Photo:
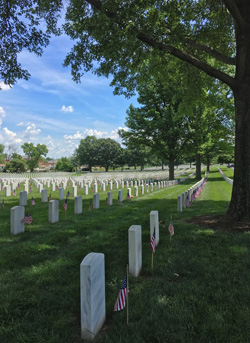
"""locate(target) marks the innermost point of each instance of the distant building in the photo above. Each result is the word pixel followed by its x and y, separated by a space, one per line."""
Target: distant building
pixel 48 165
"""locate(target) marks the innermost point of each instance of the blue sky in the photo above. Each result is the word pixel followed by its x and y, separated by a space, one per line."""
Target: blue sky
pixel 51 109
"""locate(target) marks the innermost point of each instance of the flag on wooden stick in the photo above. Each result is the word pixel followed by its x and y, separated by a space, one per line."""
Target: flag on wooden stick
pixel 27 219
pixel 65 205
pixel 152 242
pixel 121 299
pixel 171 227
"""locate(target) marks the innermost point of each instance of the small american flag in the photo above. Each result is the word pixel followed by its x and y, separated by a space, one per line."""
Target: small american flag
pixel 187 202
pixel 68 194
pixel 27 219
pixel 65 204
pixel 18 186
pixel 50 197
pixel 90 207
pixel 3 204
pixel 171 227
pixel 122 296
pixel 152 242
pixel 32 201
pixel 14 192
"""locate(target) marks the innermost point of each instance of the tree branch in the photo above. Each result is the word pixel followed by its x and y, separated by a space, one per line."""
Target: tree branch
pixel 153 42
pixel 234 11
pixel 212 52
pixel 208 69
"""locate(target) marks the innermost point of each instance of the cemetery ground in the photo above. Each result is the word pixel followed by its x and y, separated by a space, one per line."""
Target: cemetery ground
pixel 198 291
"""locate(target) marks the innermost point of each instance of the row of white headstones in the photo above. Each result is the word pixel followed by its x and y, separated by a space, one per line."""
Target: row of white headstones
pixel 18 212
pixel 181 203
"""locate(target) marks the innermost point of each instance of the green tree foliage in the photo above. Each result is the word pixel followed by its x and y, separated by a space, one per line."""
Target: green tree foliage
pixel 20 29
pixel 16 165
pixel 107 153
pixel 137 155
pixel 2 155
pixel 158 123
pixel 122 36
pixel 64 164
pixel 34 154
pixel 87 151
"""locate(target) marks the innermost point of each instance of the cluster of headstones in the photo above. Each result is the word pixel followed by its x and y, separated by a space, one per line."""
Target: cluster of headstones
pixel 227 179
pixel 181 199
pixel 17 212
pixel 92 279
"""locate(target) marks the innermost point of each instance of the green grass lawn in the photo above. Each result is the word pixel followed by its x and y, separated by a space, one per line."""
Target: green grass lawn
pixel 199 290
pixel 229 172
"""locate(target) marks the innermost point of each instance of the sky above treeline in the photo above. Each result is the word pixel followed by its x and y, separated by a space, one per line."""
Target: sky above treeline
pixel 52 109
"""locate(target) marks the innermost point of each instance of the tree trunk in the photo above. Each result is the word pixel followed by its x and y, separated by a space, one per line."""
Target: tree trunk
pixel 198 166
pixel 162 165
pixel 239 208
pixel 208 164
pixel 190 164
pixel 171 168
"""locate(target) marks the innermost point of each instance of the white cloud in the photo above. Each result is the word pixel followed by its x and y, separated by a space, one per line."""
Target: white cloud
pixel 4 87
pixel 31 133
pixel 91 132
pixel 2 115
pixel 21 124
pixel 67 109
pixel 77 135
pixel 9 135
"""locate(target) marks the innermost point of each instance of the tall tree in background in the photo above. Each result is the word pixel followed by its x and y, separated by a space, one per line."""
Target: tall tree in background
pixel 158 123
pixel 213 36
pixel 86 153
pixel 107 152
pixel 34 154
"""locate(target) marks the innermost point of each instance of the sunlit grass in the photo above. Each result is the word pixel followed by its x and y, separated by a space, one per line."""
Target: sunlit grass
pixel 198 291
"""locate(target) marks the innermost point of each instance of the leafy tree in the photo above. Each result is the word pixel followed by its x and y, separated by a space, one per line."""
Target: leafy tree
pixel 107 152
pixel 64 164
pixel 2 155
pixel 34 154
pixel 16 165
pixel 158 123
pixel 87 152
pixel 137 155
pixel 212 36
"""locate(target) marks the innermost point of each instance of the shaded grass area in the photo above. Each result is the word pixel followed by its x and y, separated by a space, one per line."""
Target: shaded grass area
pixel 198 291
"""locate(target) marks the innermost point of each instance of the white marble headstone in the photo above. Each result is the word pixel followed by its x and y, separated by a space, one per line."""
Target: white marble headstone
pixel 92 287
pixel 16 217
pixel 135 250
pixel 154 223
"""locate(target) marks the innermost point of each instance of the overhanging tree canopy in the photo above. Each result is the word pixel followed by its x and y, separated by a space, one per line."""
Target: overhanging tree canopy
pixel 213 36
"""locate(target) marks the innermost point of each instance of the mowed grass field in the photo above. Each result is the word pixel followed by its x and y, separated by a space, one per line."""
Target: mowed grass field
pixel 199 290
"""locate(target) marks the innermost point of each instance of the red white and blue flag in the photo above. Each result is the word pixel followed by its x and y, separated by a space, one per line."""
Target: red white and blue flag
pixel 32 201
pixel 122 296
pixel 152 242
pixel 65 205
pixel 27 219
pixel 171 227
